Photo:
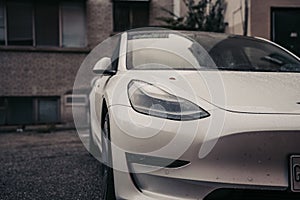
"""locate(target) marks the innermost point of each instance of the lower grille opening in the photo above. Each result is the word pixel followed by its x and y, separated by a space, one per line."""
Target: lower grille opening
pixel 239 194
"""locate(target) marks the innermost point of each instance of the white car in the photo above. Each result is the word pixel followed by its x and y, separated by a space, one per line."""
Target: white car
pixel 196 115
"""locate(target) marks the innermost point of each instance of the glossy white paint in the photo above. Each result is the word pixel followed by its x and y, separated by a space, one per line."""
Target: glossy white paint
pixel 237 146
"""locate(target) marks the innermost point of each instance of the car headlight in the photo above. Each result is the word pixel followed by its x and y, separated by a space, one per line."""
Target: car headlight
pixel 148 99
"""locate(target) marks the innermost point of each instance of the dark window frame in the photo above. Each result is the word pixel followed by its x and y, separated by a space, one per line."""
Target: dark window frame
pixel 130 8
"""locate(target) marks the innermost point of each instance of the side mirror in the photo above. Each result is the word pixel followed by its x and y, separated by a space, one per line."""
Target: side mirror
pixel 103 66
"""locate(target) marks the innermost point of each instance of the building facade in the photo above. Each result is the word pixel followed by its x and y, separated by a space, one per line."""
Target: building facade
pixel 276 20
pixel 43 43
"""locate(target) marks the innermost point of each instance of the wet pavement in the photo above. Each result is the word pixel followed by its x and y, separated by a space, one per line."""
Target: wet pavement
pixel 47 166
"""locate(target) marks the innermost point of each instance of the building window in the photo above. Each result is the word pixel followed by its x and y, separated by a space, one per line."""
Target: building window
pixel 48 110
pixel 72 33
pixel 130 14
pixel 59 23
pixel 46 23
pixel 19 18
pixel 29 110
pixel 2 27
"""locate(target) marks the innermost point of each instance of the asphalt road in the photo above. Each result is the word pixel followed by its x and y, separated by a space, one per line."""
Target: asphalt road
pixel 47 166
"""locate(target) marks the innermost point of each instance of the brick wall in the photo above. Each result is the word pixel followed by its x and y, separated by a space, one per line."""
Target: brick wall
pixel 99 21
pixel 100 18
pixel 38 73
pixel 51 72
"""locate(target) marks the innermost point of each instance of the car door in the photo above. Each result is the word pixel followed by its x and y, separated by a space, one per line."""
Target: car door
pixel 97 93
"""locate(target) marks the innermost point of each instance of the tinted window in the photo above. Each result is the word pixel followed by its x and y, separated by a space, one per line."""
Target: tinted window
pixel 235 53
pixel 159 50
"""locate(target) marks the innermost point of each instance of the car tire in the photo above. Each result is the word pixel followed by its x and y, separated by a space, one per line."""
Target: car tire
pixel 107 170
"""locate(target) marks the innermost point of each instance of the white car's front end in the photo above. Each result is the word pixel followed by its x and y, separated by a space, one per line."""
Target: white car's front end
pixel 200 134
pixel 228 149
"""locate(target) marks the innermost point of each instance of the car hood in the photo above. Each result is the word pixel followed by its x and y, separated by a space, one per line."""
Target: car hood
pixel 246 92
pixel 249 92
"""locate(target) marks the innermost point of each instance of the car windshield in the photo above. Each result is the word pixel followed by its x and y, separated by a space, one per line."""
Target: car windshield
pixel 164 50
pixel 205 51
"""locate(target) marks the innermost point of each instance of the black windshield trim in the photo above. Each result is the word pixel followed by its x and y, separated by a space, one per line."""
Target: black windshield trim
pixel 213 69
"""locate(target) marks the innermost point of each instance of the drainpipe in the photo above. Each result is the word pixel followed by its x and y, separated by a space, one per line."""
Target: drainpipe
pixel 246 17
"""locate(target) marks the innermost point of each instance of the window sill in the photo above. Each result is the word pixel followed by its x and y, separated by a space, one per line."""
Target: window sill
pixel 46 49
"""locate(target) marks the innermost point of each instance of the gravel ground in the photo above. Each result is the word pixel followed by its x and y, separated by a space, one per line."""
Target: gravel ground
pixel 47 166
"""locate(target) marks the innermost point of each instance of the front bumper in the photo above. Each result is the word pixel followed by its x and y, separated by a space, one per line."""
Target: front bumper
pixel 251 151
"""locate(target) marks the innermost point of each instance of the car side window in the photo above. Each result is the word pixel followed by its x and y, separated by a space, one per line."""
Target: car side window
pixel 115 55
pixel 252 55
pixel 258 58
pixel 230 57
